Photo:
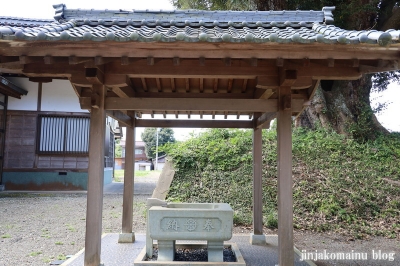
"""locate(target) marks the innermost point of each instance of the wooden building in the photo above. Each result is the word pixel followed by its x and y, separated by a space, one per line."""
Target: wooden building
pixel 258 65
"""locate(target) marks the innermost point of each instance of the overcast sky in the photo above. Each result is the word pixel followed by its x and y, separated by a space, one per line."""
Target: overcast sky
pixel 43 9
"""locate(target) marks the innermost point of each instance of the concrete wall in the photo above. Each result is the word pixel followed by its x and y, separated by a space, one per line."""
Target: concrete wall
pixel 45 180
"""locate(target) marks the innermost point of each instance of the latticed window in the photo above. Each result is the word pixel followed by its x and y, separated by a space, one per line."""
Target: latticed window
pixel 63 134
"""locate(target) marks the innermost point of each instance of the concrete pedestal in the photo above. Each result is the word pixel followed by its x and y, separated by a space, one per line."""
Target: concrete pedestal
pixel 166 250
pixel 126 238
pixel 257 240
pixel 215 251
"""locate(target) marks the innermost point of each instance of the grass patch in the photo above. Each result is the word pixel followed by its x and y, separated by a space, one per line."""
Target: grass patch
pixel 35 253
pixel 61 257
pixel 6 236
pixel 119 174
pixel 59 243
pixel 71 228
pixel 339 185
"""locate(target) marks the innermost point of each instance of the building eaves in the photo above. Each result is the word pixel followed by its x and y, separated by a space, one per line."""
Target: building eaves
pixel 192 26
pixel 10 89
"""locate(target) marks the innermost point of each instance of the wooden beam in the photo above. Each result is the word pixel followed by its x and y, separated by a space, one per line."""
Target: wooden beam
pixel 285 182
pixel 158 82
pixel 331 62
pixel 215 87
pixel 48 60
pixel 41 79
pixel 127 235
pixel 280 62
pixel 187 83
pixel 95 100
pixel 176 61
pixel 381 66
pixel 244 85
pixel 173 85
pixel 85 103
pixel 74 60
pixel 253 62
pixel 201 85
pixel 265 118
pixel 230 83
pixel 287 77
pixel 202 61
pixel 257 179
pixel 150 61
pixel 194 123
pixel 273 82
pixel 189 104
pixel 122 118
pixel 227 61
pixel 144 84
pixel 125 92
pixel 94 75
pixel 94 208
pixel 125 60
pixel 247 95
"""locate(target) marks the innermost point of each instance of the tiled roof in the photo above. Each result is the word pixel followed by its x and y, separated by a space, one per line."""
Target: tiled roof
pixel 23 22
pixel 196 26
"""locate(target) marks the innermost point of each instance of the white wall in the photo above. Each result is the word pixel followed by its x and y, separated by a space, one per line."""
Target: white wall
pixel 59 96
pixel 27 102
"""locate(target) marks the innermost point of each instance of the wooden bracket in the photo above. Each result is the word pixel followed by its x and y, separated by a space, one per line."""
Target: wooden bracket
pixel 176 61
pixel 95 100
pixel 48 60
pixel 263 120
pixel 202 61
pixel 94 75
pixel 287 77
pixel 227 61
pixel 280 62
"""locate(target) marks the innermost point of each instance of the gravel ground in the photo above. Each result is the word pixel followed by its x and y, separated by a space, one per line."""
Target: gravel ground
pixel 36 229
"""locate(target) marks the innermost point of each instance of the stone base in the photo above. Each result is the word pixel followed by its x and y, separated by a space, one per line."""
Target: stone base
pixel 215 251
pixel 2 187
pixel 141 258
pixel 259 240
pixel 126 238
pixel 166 250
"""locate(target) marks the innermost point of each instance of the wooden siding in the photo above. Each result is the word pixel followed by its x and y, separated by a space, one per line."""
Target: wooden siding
pixel 20 147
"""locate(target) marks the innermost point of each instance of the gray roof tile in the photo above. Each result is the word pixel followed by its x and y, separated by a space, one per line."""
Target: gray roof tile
pixel 190 26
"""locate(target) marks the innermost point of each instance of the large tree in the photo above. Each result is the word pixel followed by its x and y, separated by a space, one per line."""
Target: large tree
pixel 343 106
pixel 149 137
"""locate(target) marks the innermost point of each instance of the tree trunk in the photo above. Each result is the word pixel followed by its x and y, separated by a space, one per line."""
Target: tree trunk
pixel 344 107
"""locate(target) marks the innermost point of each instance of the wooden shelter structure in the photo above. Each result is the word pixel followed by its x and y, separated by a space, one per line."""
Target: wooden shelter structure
pixel 125 64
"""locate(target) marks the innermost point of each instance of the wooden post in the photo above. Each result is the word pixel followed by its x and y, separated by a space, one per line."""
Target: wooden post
pixel 127 236
pixel 257 237
pixel 285 183
pixel 95 180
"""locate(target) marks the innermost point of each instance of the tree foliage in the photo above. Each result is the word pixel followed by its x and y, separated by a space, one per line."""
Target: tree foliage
pixel 149 137
pixel 345 106
pixel 118 148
